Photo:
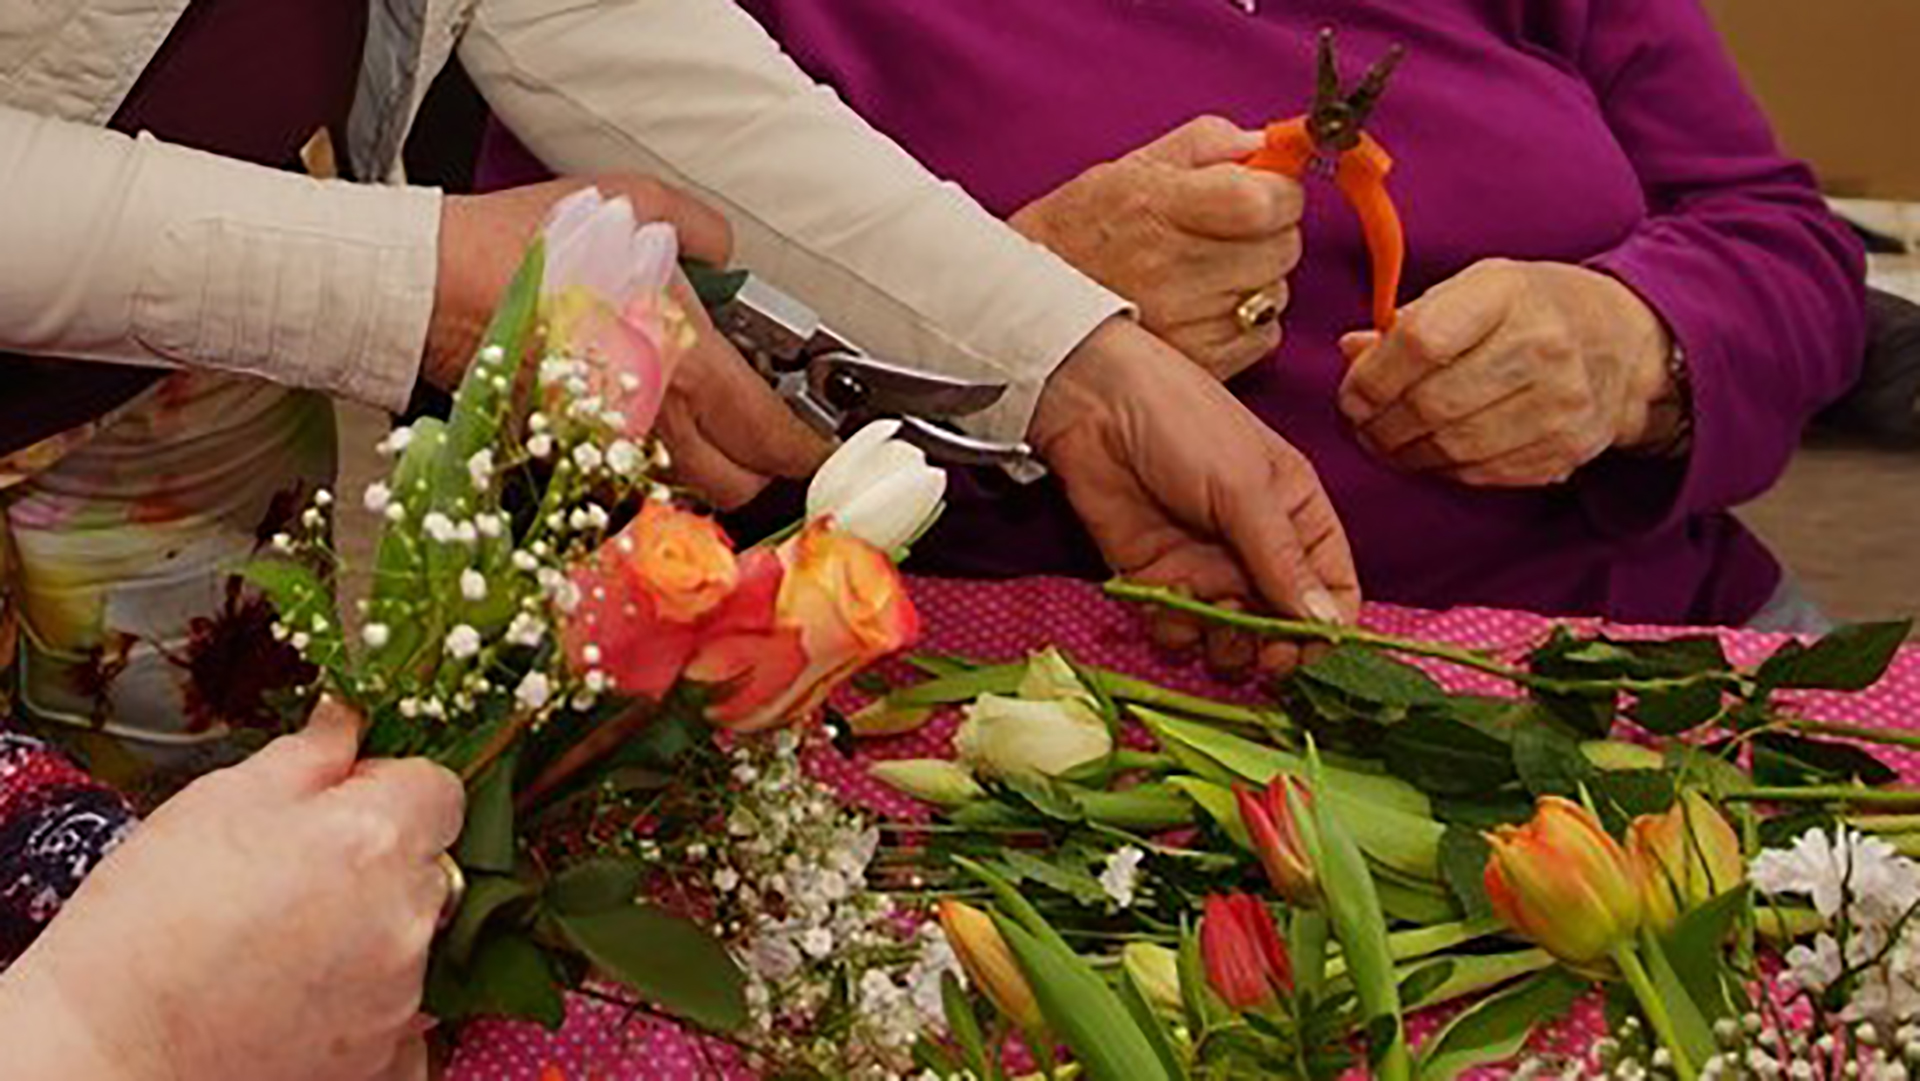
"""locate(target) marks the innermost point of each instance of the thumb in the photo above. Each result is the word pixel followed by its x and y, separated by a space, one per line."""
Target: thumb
pixel 318 756
pixel 1356 345
pixel 1207 140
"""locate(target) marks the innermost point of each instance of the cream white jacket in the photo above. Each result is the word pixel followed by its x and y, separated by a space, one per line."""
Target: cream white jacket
pixel 126 249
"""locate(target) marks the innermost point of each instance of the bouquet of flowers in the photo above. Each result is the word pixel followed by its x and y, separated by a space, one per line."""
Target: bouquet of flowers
pixel 549 619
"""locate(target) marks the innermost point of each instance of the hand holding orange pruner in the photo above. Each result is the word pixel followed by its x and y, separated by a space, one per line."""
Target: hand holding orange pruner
pixel 1331 139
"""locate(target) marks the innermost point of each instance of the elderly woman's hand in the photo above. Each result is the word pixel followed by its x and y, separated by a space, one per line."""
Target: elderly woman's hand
pixel 271 922
pixel 1513 375
pixel 1187 235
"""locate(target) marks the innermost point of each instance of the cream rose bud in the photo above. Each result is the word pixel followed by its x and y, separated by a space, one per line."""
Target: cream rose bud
pixel 1010 736
pixel 1049 677
pixel 878 488
pixel 934 780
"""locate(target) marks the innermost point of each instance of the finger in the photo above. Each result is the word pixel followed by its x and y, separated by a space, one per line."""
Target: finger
pixel 703 231
pixel 1451 398
pixel 1518 421
pixel 1202 141
pixel 1536 465
pixel 1174 631
pixel 1230 650
pixel 424 799
pixel 1279 657
pixel 411 1060
pixel 1230 202
pixel 699 465
pixel 1356 345
pixel 1260 527
pixel 743 417
pixel 315 758
pixel 1430 333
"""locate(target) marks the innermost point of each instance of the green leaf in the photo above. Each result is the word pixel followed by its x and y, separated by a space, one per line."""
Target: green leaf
pixel 1152 807
pixel 1204 1008
pixel 666 960
pixel 1696 948
pixel 1689 1025
pixel 942 664
pixel 595 885
pixel 487 839
pixel 1082 1009
pixel 1151 1025
pixel 1422 982
pixel 714 286
pixel 1851 658
pixel 400 597
pixel 1669 713
pixel 1442 756
pixel 512 977
pixel 1786 759
pixel 964 1024
pixel 1061 874
pixel 1670 658
pixel 962 686
pixel 1367 674
pixel 1463 862
pixel 1625 794
pixel 1044 794
pixel 1497 1027
pixel 1414 900
pixel 487 896
pixel 1218 802
pixel 1549 761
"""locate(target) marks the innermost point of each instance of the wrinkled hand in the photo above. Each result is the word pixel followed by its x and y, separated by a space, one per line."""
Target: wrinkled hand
pixel 1184 233
pixel 270 922
pixel 1512 375
pixel 1181 486
pixel 728 432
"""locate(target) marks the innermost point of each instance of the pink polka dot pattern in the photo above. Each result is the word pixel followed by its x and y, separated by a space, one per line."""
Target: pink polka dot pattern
pixel 1004 620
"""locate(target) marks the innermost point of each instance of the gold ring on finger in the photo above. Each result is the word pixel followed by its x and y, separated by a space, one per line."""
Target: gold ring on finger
pixel 456 886
pixel 1258 309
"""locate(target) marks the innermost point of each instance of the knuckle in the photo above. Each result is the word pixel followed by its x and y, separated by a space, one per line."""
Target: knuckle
pixel 1210 126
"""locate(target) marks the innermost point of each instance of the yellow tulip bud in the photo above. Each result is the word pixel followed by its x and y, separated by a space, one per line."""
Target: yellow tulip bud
pixel 1683 858
pixel 1562 882
pixel 990 964
pixel 1155 970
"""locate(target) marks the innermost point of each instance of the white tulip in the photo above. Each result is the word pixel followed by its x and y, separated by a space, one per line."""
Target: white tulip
pixel 933 780
pixel 878 488
pixel 1004 737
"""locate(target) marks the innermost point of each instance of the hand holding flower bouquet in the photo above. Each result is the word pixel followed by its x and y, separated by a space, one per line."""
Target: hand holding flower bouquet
pixel 551 622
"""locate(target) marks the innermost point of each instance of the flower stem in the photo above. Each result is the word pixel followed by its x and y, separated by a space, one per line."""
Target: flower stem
pixel 1655 1008
pixel 1833 793
pixel 1863 733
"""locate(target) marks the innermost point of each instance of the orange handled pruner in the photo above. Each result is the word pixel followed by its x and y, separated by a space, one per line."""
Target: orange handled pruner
pixel 1332 140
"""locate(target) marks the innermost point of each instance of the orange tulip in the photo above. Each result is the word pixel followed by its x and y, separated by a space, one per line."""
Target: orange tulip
pixel 989 964
pixel 1246 963
pixel 1562 882
pixel 1684 858
pixel 1275 832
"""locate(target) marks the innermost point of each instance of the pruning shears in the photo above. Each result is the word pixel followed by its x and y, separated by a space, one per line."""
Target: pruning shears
pixel 1331 140
pixel 834 385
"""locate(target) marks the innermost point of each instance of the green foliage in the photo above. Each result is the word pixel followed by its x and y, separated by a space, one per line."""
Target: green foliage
pixel 1497 1027
pixel 665 959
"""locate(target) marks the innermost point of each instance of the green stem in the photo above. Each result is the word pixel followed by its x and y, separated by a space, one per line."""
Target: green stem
pixel 1140 691
pixel 1340 635
pixel 1885 823
pixel 1833 793
pixel 1655 1008
pixel 1855 731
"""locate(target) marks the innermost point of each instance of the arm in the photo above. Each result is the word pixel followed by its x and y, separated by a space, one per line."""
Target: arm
pixel 134 251
pixel 1759 285
pixel 694 91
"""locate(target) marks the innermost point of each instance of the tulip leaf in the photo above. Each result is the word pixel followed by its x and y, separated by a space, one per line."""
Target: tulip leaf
pixel 1690 1026
pixel 1414 900
pixel 1463 861
pixel 1152 807
pixel 964 1025
pixel 487 837
pixel 1013 903
pixel 1044 794
pixel 665 959
pixel 1669 713
pixel 595 885
pixel 1497 1027
pixel 1623 795
pixel 1260 763
pixel 1851 658
pixel 1217 801
pixel 1786 759
pixel 1422 982
pixel 487 896
pixel 1371 676
pixel 1062 874
pixel 1082 1008
pixel 942 664
pixel 958 687
pixel 1442 756
pixel 1696 948
pixel 1151 1025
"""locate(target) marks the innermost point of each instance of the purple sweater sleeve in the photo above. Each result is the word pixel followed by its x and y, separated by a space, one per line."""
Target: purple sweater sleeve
pixel 1761 287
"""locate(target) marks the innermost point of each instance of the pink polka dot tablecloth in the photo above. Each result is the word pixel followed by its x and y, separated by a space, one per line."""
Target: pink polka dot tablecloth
pixel 1005 620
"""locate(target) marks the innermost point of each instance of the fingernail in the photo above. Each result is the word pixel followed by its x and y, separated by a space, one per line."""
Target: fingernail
pixel 1321 606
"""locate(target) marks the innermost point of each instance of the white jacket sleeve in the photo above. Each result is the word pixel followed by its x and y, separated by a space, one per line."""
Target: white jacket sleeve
pixel 131 250
pixel 697 93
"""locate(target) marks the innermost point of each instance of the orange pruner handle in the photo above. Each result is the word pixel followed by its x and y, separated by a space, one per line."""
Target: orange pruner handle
pixel 1361 176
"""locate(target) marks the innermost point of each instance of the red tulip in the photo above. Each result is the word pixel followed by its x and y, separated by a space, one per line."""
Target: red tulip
pixel 1275 832
pixel 1240 946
